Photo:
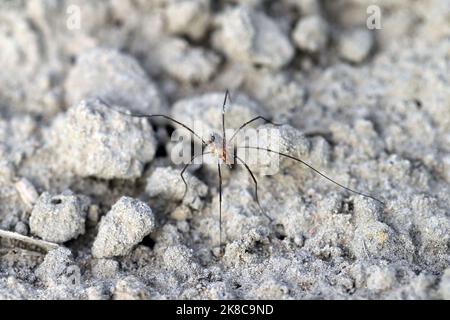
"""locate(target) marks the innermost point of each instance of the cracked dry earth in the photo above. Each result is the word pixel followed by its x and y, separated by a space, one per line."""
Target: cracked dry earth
pixel 91 207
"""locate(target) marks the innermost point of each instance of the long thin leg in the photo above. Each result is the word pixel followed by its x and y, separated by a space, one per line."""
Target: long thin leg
pixel 220 210
pixel 224 138
pixel 256 188
pixel 137 115
pixel 184 169
pixel 250 121
pixel 316 171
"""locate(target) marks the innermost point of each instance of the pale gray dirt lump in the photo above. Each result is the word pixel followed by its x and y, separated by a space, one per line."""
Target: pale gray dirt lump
pixel 124 226
pixel 93 139
pixel 59 218
pixel 249 36
pixel 114 77
pixel 311 34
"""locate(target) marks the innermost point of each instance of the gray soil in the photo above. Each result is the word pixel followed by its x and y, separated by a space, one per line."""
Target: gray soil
pixel 91 207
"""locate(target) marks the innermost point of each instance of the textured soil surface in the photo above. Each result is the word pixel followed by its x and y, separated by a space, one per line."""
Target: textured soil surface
pixel 92 207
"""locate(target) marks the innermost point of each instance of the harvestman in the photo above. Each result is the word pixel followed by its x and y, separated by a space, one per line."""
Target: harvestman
pixel 220 147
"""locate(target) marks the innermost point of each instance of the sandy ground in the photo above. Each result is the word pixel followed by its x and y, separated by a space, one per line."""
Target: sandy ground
pixel 91 207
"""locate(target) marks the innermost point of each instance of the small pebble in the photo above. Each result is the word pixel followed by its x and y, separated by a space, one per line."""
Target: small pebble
pixel 355 45
pixel 124 226
pixel 59 218
pixel 27 191
pixel 186 63
pixel 93 215
pixel 21 228
pixel 249 36
pixel 311 34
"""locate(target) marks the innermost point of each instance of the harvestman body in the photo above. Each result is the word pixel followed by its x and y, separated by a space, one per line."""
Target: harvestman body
pixel 224 151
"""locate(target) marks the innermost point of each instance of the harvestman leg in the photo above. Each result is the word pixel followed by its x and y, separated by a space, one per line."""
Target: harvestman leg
pixel 148 116
pixel 220 209
pixel 184 169
pixel 316 171
pixel 224 148
pixel 256 188
pixel 224 138
pixel 250 121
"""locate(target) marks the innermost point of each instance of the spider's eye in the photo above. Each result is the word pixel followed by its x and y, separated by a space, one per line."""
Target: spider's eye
pixel 213 137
